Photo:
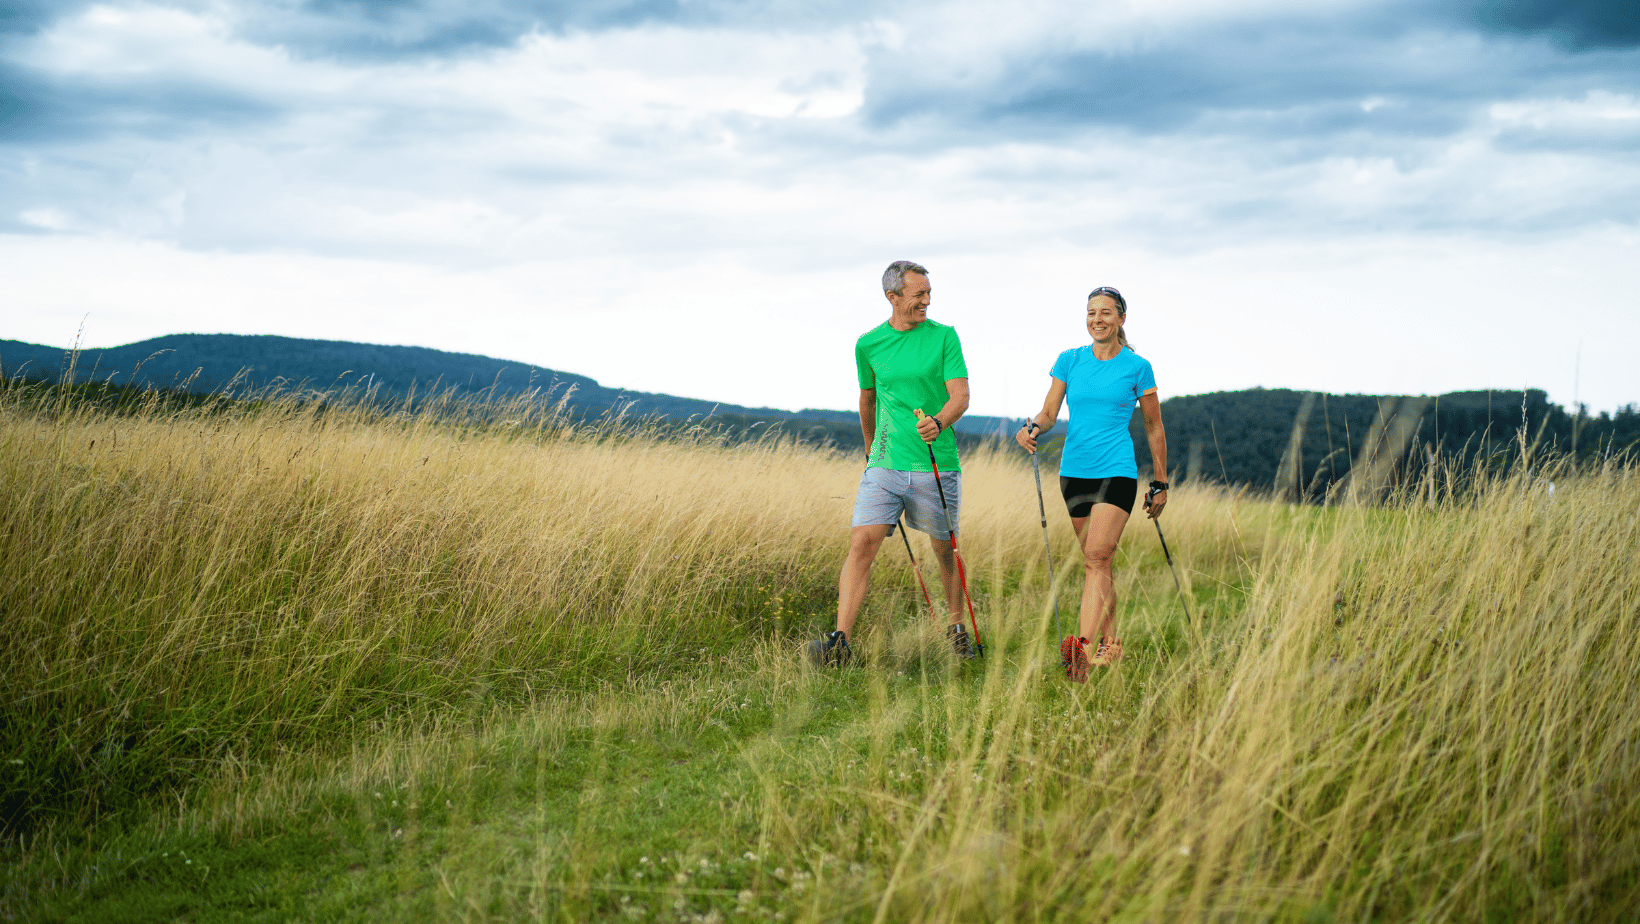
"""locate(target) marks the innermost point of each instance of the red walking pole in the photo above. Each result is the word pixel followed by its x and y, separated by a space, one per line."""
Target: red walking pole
pixel 962 577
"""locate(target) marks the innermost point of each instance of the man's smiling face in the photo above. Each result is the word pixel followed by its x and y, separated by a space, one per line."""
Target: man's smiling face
pixel 911 304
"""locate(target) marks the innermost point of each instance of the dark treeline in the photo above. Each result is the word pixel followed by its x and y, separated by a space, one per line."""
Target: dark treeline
pixel 1254 437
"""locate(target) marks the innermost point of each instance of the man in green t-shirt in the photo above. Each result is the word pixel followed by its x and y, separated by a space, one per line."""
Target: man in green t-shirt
pixel 906 364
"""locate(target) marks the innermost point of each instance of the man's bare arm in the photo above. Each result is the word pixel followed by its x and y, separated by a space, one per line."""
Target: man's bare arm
pixel 956 405
pixel 868 417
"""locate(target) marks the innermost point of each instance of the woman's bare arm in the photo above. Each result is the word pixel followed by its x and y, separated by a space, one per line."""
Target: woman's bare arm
pixel 1044 421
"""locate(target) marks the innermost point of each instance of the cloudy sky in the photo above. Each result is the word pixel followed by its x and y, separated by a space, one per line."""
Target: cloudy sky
pixel 699 196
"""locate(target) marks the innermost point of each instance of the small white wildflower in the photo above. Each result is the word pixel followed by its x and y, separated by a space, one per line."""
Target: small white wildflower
pixel 751 857
pixel 1184 851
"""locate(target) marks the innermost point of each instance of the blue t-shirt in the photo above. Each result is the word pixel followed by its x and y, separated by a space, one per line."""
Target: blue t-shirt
pixel 1099 394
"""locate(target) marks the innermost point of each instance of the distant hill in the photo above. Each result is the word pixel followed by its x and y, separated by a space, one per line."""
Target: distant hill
pixel 214 360
pixel 1240 437
pixel 208 362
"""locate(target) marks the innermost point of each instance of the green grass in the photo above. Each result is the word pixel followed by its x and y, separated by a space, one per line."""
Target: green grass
pixel 571 809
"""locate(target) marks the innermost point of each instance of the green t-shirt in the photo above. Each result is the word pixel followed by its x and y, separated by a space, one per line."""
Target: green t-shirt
pixel 909 370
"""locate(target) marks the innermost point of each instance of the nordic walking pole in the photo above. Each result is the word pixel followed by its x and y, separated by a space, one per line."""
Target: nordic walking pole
pixel 1169 555
pixel 1042 512
pixel 962 578
pixel 900 524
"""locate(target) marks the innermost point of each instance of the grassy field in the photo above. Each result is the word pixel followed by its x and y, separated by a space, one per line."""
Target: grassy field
pixel 284 661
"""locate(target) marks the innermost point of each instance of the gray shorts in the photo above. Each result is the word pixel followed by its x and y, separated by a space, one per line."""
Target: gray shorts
pixel 885 493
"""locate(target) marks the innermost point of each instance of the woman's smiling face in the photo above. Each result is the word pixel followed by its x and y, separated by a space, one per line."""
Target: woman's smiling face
pixel 1104 318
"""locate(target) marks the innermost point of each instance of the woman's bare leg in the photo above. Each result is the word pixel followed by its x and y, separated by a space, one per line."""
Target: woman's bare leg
pixel 1098 533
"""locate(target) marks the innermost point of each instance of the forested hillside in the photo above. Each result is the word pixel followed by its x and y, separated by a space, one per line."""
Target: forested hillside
pixel 209 362
pixel 1254 437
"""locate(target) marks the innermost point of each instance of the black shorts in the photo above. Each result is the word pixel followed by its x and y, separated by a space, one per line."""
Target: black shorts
pixel 1082 493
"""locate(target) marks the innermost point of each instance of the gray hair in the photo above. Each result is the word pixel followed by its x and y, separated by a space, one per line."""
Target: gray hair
pixel 894 276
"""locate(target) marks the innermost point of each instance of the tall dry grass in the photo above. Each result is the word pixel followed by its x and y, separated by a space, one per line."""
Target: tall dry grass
pixel 185 583
pixel 1420 713
pixel 182 584
pixel 1409 710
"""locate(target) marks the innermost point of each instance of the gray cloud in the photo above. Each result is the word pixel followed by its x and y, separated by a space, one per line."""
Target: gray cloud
pixel 1577 24
pixel 41 108
pixel 373 30
pixel 387 29
pixel 376 30
pixel 1253 126
pixel 1374 78
pixel 23 17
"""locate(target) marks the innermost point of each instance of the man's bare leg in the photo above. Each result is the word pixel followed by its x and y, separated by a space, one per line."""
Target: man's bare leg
pixel 864 543
pixel 950 578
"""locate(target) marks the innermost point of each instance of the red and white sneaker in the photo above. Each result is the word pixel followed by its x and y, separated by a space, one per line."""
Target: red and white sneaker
pixel 1073 653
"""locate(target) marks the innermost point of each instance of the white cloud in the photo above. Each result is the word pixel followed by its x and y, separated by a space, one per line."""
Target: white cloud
pixel 48 218
pixel 143 41
pixel 1596 107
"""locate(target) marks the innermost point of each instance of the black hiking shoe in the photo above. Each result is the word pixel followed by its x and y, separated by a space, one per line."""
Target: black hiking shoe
pixel 961 644
pixel 831 651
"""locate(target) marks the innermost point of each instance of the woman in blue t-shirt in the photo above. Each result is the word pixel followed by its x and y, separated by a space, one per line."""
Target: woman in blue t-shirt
pixel 1097 472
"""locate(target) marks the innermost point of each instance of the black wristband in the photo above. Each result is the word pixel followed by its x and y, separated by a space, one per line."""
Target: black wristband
pixel 938 427
pixel 1158 486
